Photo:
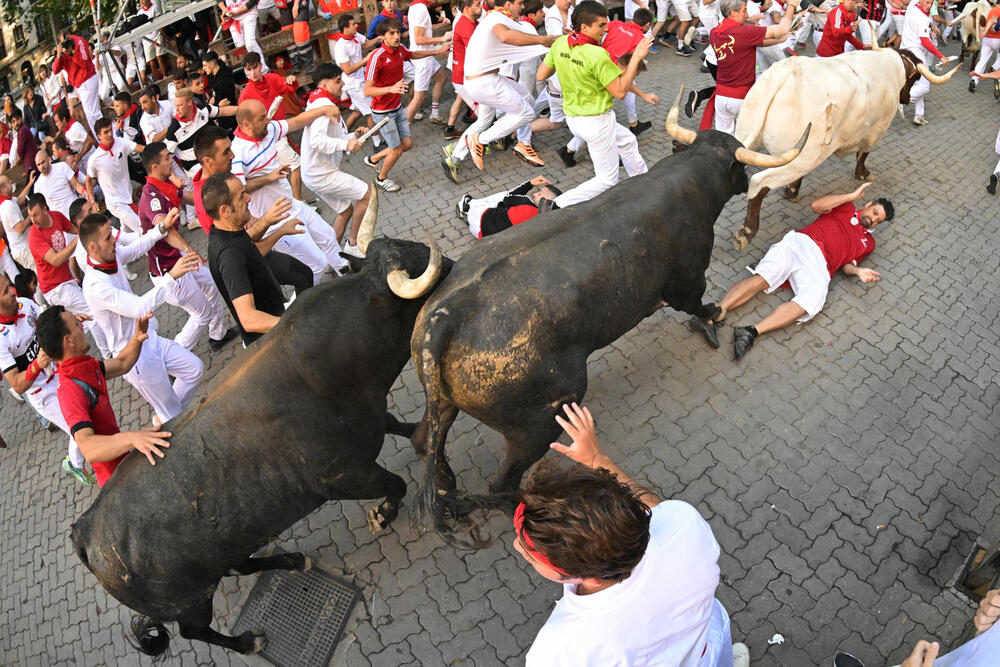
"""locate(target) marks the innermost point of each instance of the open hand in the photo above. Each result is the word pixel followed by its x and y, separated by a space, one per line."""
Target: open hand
pixel 579 425
pixel 150 442
pixel 279 209
pixel 142 327
pixel 868 275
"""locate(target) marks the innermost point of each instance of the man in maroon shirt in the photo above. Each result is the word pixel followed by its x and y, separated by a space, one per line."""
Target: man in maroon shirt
pixel 735 44
pixel 27 147
pixel 841 23
pixel 83 392
pixel 806 261
pixel 267 88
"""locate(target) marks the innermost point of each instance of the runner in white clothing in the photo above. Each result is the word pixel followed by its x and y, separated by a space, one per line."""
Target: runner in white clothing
pixel 109 167
pixel 917 40
pixel 156 115
pixel 257 165
pixel 15 225
pixel 425 70
pixel 29 370
pixel 500 38
pixel 240 16
pixel 347 47
pixel 78 137
pixel 57 181
pixel 116 309
pixel 324 143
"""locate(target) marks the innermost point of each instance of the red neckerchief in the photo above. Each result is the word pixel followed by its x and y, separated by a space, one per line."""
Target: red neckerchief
pixel 107 148
pixel 338 35
pixel 189 118
pixel 167 189
pixel 86 369
pixel 425 3
pixel 106 267
pixel 578 38
pixel 243 135
pixel 119 122
pixel 3 199
pixel 386 14
pixel 4 319
pixel 71 123
pixel 927 13
pixel 505 13
pixel 321 94
pixel 529 22
pixel 727 25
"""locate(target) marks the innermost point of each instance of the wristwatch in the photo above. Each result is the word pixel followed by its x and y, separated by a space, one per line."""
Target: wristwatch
pixel 161 228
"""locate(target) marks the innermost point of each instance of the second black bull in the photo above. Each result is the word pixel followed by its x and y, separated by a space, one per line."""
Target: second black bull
pixel 506 336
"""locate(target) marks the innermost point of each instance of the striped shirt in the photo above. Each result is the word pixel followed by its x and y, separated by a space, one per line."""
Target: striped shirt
pixel 180 134
pixel 259 157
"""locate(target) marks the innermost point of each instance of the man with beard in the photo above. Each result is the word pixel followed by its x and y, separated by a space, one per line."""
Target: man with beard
pixel 806 260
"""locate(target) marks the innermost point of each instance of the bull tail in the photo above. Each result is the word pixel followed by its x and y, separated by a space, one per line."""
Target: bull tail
pixel 446 509
pixel 753 116
pixel 151 637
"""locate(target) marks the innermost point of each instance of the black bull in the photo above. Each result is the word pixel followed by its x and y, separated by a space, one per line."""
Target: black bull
pixel 297 421
pixel 506 336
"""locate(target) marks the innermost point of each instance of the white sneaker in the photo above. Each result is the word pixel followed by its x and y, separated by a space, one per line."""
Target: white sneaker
pixel 418 116
pixel 387 184
pixel 352 250
pixel 741 655
pixel 919 120
pixel 17 396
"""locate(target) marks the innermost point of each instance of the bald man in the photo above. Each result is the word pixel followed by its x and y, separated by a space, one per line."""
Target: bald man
pixel 256 163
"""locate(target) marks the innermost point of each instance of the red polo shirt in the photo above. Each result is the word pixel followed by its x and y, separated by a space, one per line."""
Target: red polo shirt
pixel 88 407
pixel 40 241
pixel 385 68
pixel 735 48
pixel 622 37
pixel 841 237
pixel 267 90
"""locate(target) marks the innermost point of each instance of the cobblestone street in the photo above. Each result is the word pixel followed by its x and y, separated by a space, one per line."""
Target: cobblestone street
pixel 847 466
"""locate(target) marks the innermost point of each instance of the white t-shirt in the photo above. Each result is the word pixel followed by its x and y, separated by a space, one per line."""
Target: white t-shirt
pixel 110 168
pixel 52 90
pixel 76 137
pixel 349 51
pixel 59 194
pixel 916 24
pixel 18 345
pixel 258 158
pixel 485 52
pixel 10 215
pixel 659 616
pixel 122 237
pixel 554 23
pixel 152 12
pixel 323 145
pixel 153 124
pixel 418 17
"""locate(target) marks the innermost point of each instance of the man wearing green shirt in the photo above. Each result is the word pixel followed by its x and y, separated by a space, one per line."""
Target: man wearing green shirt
pixel 589 81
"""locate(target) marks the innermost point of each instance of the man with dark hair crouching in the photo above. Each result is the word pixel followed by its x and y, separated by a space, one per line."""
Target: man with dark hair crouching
pixel 638 574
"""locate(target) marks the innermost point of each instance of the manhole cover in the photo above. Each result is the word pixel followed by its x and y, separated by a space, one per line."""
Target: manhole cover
pixel 974 562
pixel 303 615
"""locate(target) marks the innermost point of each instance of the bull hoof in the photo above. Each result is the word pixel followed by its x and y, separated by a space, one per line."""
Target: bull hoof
pixel 740 241
pixel 709 331
pixel 864 176
pixel 259 643
pixel 380 516
pixel 790 195
pixel 307 564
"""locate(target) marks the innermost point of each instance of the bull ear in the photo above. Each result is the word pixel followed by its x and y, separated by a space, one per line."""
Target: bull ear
pixel 355 263
pixel 982 21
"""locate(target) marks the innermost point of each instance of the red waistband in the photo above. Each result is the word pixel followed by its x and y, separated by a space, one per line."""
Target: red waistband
pixel 737 92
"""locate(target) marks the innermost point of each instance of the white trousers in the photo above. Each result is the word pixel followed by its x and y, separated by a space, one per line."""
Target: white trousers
pixel 22 255
pixel 494 93
pixel 630 112
pixel 126 216
pixel 196 293
pixel 608 142
pixel 246 35
pixel 70 296
pixel 317 248
pixel 160 359
pixel 45 401
pixel 90 99
pixel 989 49
pixel 726 111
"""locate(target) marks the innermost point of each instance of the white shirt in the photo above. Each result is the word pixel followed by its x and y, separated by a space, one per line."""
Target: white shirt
pixel 18 345
pixel 110 168
pixel 153 124
pixel 59 194
pixel 554 23
pixel 323 145
pixel 659 616
pixel 259 158
pixel 418 17
pixel 76 137
pixel 52 89
pixel 916 24
pixel 114 305
pixel 151 12
pixel 122 237
pixel 10 215
pixel 485 52
pixel 349 51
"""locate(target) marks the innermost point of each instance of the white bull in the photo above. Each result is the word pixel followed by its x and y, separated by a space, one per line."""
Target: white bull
pixel 849 99
pixel 970 22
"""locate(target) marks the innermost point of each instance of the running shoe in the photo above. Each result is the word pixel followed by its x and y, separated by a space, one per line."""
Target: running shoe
pixel 387 184
pixel 371 163
pixel 450 169
pixel 528 154
pixel 476 149
pixel 82 476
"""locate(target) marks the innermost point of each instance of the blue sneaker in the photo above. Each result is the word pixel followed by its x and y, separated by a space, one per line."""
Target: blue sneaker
pixel 653 49
pixel 81 475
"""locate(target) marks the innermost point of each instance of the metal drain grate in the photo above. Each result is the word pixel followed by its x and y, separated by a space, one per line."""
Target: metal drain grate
pixel 303 615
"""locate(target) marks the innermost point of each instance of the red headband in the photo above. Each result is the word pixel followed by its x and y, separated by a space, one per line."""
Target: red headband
pixel 529 546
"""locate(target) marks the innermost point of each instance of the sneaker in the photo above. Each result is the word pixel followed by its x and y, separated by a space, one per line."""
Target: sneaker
pixel 450 169
pixel 82 476
pixel 503 143
pixel 709 331
pixel 448 149
pixel 743 338
pixel 387 184
pixel 689 36
pixel 843 660
pixel 684 50
pixel 741 655
pixel 418 116
pixel 462 207
pixel 371 163
pixel 972 85
pixel 567 156
pixel 702 40
pixel 669 41
pixel 476 149
pixel 452 132
pixel 437 120
pixel 991 188
pixel 17 397
pixel 528 154
pixel 691 105
pixel 216 345
pixel 469 117
pixel 653 49
pixel 640 127
pixel 352 250
pixel 919 120
pixel 545 205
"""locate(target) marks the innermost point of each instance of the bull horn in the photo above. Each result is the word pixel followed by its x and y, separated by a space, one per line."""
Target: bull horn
pixel 681 134
pixel 873 26
pixel 405 287
pixel 765 161
pixel 367 229
pixel 935 78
